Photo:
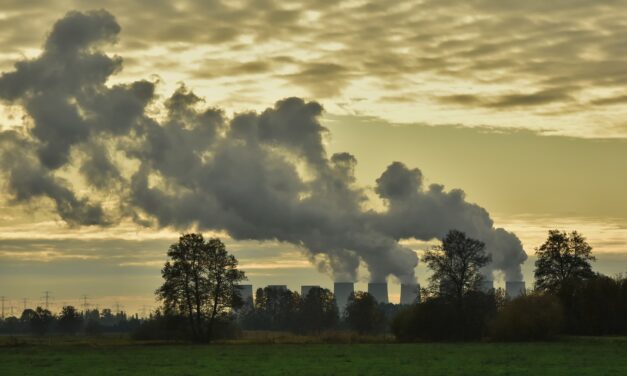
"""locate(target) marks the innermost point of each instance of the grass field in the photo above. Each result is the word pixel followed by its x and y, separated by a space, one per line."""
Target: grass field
pixel 605 356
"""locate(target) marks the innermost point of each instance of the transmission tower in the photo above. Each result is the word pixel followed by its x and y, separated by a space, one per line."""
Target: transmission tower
pixel 84 303
pixel 47 299
pixel 2 299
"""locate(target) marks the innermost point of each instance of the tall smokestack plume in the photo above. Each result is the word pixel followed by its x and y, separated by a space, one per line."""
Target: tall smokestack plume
pixel 410 294
pixel 342 291
pixel 256 176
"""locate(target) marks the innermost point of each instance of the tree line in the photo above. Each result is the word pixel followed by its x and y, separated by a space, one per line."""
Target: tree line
pixel 69 321
pixel 200 300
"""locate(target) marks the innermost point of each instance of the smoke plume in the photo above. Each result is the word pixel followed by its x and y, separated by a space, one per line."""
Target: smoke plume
pixel 262 176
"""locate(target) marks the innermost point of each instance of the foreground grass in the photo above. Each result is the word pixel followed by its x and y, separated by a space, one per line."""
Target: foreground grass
pixel 604 356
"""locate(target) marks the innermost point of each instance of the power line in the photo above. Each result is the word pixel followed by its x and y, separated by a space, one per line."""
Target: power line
pixel 47 299
pixel 85 304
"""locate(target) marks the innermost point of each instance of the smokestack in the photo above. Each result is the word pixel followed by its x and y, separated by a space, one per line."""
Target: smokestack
pixel 486 286
pixel 410 293
pixel 379 291
pixel 342 291
pixel 514 289
pixel 304 290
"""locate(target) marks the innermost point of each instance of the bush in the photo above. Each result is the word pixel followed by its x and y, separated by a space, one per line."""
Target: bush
pixel 441 319
pixel 162 327
pixel 597 306
pixel 528 318
pixel 226 328
pixel 173 327
pixel 93 328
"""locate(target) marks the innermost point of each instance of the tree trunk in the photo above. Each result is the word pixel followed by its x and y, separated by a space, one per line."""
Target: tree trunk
pixel 216 299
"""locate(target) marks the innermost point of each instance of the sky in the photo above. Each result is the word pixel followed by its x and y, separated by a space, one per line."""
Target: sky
pixel 275 125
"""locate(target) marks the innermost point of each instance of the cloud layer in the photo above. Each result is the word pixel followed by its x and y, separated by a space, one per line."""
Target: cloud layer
pixel 476 61
pixel 103 153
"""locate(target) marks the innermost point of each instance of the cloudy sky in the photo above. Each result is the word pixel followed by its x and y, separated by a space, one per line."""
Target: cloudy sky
pixel 125 126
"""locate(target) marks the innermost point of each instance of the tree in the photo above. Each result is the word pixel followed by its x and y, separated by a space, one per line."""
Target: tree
pixel 456 264
pixel 318 311
pixel 528 318
pixel 363 313
pixel 200 283
pixel 38 320
pixel 69 320
pixel 562 258
pixel 274 309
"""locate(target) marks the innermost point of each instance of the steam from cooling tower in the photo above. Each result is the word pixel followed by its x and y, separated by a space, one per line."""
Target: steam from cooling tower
pixel 262 176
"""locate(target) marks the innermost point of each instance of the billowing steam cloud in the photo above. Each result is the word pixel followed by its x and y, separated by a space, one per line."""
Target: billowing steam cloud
pixel 256 176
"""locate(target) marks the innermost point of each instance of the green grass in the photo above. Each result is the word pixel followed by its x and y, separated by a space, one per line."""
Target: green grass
pixel 115 356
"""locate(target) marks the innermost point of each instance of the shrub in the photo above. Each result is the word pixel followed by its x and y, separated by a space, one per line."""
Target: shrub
pixel 441 319
pixel 528 318
pixel 597 306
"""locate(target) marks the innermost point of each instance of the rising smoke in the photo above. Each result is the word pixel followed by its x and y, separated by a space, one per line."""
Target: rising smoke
pixel 261 176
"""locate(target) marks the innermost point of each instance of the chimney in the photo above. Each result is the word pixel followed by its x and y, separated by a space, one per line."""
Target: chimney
pixel 486 286
pixel 514 289
pixel 342 291
pixel 379 290
pixel 304 290
pixel 410 293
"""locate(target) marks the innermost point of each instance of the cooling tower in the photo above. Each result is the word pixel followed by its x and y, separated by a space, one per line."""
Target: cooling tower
pixel 514 289
pixel 410 293
pixel 277 287
pixel 304 290
pixel 486 286
pixel 379 291
pixel 246 293
pixel 342 291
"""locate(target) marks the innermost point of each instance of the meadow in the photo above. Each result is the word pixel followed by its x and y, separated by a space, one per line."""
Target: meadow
pixel 293 356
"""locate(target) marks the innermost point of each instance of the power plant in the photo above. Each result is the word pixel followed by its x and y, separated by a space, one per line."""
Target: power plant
pixel 486 286
pixel 410 293
pixel 342 291
pixel 304 290
pixel 379 290
pixel 278 287
pixel 246 293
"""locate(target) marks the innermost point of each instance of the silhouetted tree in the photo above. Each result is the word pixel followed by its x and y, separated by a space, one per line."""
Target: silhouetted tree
pixel 455 264
pixel 595 306
pixel 274 309
pixel 318 311
pixel 200 282
pixel 69 320
pixel 440 319
pixel 363 313
pixel 38 320
pixel 563 257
